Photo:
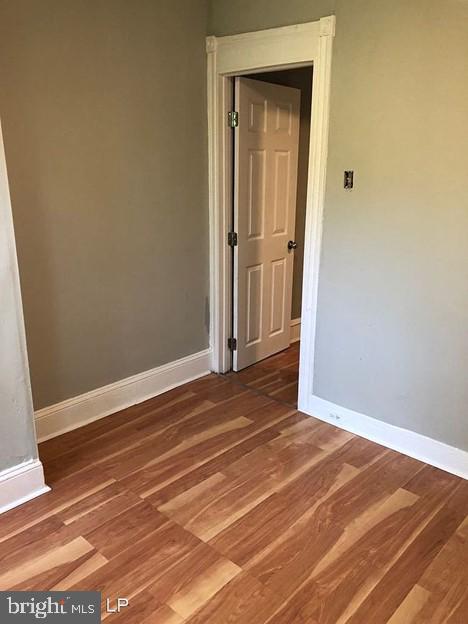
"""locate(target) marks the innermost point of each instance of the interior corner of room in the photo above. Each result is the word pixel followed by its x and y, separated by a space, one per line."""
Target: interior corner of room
pixel 113 251
pixel 266 196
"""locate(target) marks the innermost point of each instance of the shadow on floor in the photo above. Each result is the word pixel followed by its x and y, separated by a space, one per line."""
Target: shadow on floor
pixel 276 377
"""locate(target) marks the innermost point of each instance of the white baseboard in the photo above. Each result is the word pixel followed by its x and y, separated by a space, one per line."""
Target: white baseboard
pixel 295 333
pixel 21 484
pixel 81 410
pixel 409 443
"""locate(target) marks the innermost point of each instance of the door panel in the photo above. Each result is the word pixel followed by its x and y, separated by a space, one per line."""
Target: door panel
pixel 280 201
pixel 278 296
pixel 266 148
pixel 256 186
pixel 254 304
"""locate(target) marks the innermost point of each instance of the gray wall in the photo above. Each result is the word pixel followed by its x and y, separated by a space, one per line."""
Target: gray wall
pixel 229 17
pixel 108 177
pixel 392 337
pixel 300 78
pixel 104 112
pixel 17 438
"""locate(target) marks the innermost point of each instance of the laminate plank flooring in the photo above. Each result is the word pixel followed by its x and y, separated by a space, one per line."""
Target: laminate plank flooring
pixel 218 502
pixel 276 376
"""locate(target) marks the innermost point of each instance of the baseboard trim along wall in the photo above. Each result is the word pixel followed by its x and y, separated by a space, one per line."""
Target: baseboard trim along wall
pixel 21 484
pixel 409 443
pixel 81 410
pixel 295 334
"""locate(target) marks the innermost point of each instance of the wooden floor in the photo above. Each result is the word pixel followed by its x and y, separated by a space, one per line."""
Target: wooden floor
pixel 217 504
pixel 277 376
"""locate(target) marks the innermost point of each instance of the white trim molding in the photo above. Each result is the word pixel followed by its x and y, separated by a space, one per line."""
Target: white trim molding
pixel 24 481
pixel 318 156
pixel 81 410
pixel 250 53
pixel 295 333
pixel 274 48
pixel 21 484
pixel 404 441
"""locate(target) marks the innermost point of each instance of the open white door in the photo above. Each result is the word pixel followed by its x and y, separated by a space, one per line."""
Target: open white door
pixel 265 181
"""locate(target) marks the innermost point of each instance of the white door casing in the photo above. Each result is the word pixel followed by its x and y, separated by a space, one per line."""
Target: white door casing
pixel 248 53
pixel 265 183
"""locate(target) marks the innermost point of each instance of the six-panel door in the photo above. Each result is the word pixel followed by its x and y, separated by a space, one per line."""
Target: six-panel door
pixel 265 181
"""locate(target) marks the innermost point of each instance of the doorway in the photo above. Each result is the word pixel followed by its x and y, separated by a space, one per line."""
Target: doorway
pixel 271 138
pixel 248 54
pixel 270 170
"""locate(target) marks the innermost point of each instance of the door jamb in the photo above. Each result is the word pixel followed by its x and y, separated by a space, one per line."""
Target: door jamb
pixel 273 49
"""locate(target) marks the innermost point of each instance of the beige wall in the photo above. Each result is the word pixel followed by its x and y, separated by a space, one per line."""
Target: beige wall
pixel 104 112
pixel 392 337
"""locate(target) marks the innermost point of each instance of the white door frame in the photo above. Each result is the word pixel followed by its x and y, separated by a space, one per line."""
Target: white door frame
pixel 25 480
pixel 274 49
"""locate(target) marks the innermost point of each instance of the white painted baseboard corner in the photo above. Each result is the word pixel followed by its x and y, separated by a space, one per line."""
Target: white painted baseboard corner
pixel 404 441
pixel 295 333
pixel 85 408
pixel 21 484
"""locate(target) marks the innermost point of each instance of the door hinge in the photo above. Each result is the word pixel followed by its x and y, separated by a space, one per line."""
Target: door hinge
pixel 232 344
pixel 232 239
pixel 233 119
